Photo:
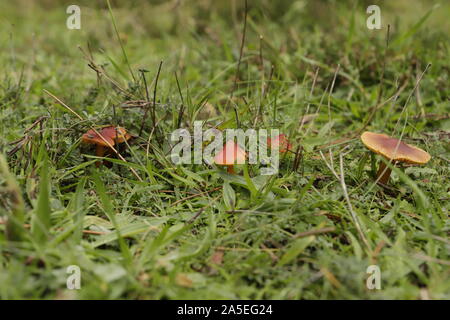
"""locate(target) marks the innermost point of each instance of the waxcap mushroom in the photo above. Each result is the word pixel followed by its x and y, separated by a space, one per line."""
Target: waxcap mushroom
pixel 105 138
pixel 109 133
pixel 387 147
pixel 230 155
pixel 394 150
pixel 281 142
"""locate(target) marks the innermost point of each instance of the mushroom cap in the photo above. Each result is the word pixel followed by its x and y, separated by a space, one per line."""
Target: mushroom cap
pixel 110 133
pixel 281 142
pixel 230 154
pixel 387 147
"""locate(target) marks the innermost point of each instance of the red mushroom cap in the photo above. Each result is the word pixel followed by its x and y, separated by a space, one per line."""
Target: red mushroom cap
pixel 110 133
pixel 394 149
pixel 281 142
pixel 230 155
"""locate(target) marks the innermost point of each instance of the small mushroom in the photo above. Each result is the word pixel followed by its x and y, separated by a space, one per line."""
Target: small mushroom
pixel 281 142
pixel 105 138
pixel 230 155
pixel 393 150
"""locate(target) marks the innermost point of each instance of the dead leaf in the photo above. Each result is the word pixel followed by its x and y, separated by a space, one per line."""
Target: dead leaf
pixel 217 257
pixel 183 280
pixel 307 118
pixel 207 111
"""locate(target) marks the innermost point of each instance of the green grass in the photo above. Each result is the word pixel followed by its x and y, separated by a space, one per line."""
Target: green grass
pixel 192 231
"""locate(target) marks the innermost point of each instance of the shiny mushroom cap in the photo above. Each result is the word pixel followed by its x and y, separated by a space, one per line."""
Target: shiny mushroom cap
pixel 394 149
pixel 230 155
pixel 281 142
pixel 111 134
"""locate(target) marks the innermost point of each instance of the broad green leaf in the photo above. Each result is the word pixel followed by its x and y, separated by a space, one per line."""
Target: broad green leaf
pixel 295 250
pixel 229 196
pixel 41 220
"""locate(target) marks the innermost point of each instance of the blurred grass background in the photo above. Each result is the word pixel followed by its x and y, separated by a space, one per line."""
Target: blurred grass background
pixel 33 33
pixel 297 36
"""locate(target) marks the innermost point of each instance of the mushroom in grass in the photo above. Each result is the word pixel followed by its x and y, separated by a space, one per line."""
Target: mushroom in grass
pixel 393 150
pixel 281 142
pixel 105 138
pixel 230 155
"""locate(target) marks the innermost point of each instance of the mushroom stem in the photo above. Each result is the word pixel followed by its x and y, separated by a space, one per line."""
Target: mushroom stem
pixel 99 152
pixel 384 173
pixel 230 170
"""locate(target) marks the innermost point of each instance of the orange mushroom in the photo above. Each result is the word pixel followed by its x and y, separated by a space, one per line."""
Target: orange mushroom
pixel 281 142
pixel 394 150
pixel 230 155
pixel 104 138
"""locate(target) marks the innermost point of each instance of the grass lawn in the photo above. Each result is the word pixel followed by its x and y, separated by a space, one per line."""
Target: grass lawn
pixel 145 228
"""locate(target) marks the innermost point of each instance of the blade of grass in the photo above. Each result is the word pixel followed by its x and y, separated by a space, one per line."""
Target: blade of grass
pixel 16 216
pixel 108 208
pixel 41 220
pixel 120 41
pixel 415 27
pixel 77 206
